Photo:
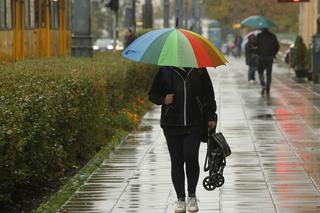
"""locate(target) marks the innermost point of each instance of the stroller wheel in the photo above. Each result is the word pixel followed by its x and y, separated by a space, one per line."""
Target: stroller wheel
pixel 209 183
pixel 220 181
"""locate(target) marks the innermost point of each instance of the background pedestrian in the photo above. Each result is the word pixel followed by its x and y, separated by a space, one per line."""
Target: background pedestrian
pixel 252 58
pixel 237 42
pixel 129 37
pixel 268 47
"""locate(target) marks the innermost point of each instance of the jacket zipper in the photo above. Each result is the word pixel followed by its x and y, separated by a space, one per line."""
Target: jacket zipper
pixel 185 97
pixel 185 102
pixel 167 109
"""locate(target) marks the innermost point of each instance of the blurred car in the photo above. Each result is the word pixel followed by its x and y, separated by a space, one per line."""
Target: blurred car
pixel 103 44
pixel 106 44
pixel 119 46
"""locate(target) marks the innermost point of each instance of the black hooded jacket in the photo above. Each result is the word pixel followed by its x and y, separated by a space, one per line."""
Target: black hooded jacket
pixel 268 45
pixel 193 102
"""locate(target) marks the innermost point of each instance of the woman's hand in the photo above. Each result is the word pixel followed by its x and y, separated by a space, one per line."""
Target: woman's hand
pixel 212 125
pixel 168 99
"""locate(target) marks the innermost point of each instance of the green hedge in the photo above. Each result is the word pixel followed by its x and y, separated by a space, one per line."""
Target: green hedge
pixel 56 114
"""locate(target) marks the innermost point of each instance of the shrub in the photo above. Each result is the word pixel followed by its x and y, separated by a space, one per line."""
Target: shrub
pixel 308 58
pixel 143 31
pixel 56 114
pixel 300 55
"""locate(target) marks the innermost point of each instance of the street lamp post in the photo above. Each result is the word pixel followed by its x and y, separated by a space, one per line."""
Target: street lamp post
pixel 316 54
pixel 147 14
pixel 166 7
pixel 196 16
pixel 130 9
pixel 114 6
pixel 179 12
pixel 185 14
pixel 81 39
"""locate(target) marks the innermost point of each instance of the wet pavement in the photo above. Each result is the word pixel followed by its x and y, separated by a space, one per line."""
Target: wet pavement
pixel 274 166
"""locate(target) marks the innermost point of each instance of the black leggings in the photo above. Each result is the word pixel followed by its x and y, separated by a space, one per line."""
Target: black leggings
pixel 184 149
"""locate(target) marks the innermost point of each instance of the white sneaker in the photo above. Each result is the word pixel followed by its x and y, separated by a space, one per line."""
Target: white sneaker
pixel 180 207
pixel 192 204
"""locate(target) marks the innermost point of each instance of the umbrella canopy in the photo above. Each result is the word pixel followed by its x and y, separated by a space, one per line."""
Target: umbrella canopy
pixel 174 47
pixel 258 22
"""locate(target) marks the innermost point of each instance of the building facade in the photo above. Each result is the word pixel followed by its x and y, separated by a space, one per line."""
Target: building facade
pixel 308 19
pixel 34 29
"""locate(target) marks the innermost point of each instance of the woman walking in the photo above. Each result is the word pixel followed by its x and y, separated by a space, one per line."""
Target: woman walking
pixel 252 58
pixel 188 110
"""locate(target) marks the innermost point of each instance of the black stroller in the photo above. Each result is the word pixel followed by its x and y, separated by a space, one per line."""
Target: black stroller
pixel 215 161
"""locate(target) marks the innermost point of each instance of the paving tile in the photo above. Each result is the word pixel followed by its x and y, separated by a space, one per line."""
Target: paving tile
pixel 274 166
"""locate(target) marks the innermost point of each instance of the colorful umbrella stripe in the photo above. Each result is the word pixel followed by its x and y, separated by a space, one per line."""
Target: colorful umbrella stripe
pixel 174 47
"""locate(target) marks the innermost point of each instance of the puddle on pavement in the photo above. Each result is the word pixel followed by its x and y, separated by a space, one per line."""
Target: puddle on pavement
pixel 263 117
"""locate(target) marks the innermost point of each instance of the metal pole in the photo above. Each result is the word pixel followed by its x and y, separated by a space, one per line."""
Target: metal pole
pixel 185 14
pixel 81 39
pixel 147 14
pixel 133 21
pixel 181 15
pixel 316 54
pixel 114 31
pixel 199 28
pixel 318 25
pixel 166 8
pixel 179 12
pixel 130 9
pixel 194 16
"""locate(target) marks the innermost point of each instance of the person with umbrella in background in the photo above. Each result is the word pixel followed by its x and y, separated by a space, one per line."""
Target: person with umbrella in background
pixel 252 58
pixel 183 88
pixel 268 47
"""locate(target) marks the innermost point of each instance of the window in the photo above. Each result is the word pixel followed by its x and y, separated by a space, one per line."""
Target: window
pixel 5 14
pixel 2 14
pixel 43 13
pixel 54 14
pixel 32 14
pixel 27 13
pixel 9 14
pixel 69 14
pixel 36 13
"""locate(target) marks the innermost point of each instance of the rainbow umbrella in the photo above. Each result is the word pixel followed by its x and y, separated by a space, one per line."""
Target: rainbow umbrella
pixel 174 47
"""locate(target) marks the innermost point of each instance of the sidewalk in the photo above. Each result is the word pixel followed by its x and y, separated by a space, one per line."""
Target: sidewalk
pixel 274 166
